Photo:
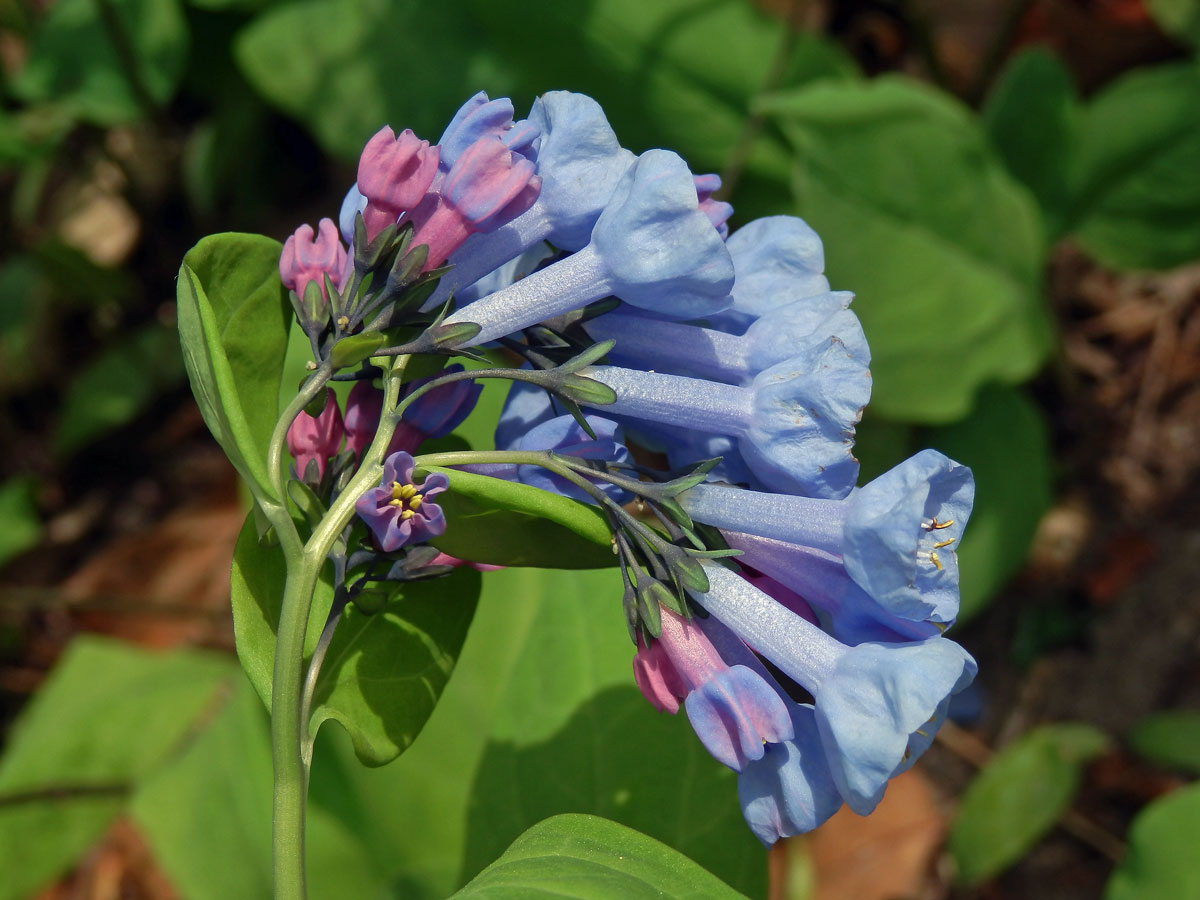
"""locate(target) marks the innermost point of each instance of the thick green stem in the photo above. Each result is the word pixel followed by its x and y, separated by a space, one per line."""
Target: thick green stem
pixel 291 745
pixel 287 730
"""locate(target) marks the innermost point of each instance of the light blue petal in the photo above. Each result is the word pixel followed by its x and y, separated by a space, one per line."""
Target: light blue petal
pixel 874 705
pixel 352 204
pixel 734 713
pixel 801 435
pixel 790 790
pixel 660 251
pixel 778 260
pixel 580 162
pixel 890 536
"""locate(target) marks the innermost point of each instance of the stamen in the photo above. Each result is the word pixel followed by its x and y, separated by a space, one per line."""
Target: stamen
pixel 414 502
pixel 933 558
pixel 407 514
pixel 935 524
pixel 945 543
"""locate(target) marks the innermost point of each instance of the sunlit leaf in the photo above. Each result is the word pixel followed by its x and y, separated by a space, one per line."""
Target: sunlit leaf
pixel 108 716
pixel 233 326
pixel 1019 796
pixel 942 248
pixel 589 858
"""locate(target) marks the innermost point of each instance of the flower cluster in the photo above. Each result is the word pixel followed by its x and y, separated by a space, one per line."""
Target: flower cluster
pixel 709 376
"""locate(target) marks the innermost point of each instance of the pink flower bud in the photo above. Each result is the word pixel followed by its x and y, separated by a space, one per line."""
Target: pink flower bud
pixel 657 678
pixel 363 408
pixel 306 259
pixel 316 438
pixel 487 187
pixel 393 174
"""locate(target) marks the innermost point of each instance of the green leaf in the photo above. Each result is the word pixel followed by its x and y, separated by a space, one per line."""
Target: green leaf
pixel 233 325
pixel 942 248
pixel 507 523
pixel 350 351
pixel 1170 739
pixel 1136 177
pixel 112 61
pixel 108 716
pixel 1006 444
pixel 573 734
pixel 384 672
pixel 589 858
pixel 1019 796
pixel 653 69
pixel 1179 18
pixel 1162 863
pixel 543 643
pixel 20 523
pixel 118 385
pixel 1030 118
pixel 344 67
pixel 207 818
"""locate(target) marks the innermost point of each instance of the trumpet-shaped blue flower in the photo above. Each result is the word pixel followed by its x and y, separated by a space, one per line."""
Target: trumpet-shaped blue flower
pixel 790 790
pixel 846 611
pixel 779 259
pixel 877 705
pixel 579 161
pixel 651 246
pixel 775 337
pixel 795 422
pixel 895 536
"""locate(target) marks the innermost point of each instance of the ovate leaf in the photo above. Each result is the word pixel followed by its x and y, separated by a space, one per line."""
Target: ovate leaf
pixel 233 325
pixel 1170 739
pixel 383 672
pixel 208 817
pixel 1030 118
pixel 1136 177
pixel 108 716
pixel 588 858
pixel 512 524
pixel 543 643
pixel 942 248
pixel 1019 796
pixel 1162 863
pixel 111 61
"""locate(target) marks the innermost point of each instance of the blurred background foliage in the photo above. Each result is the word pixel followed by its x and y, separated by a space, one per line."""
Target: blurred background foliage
pixel 1012 190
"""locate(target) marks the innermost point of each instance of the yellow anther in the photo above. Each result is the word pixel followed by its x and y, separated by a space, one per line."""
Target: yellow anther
pixel 945 543
pixel 933 558
pixel 922 733
pixel 402 491
pixel 395 503
pixel 936 525
pixel 407 514
pixel 414 502
pixel 343 323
